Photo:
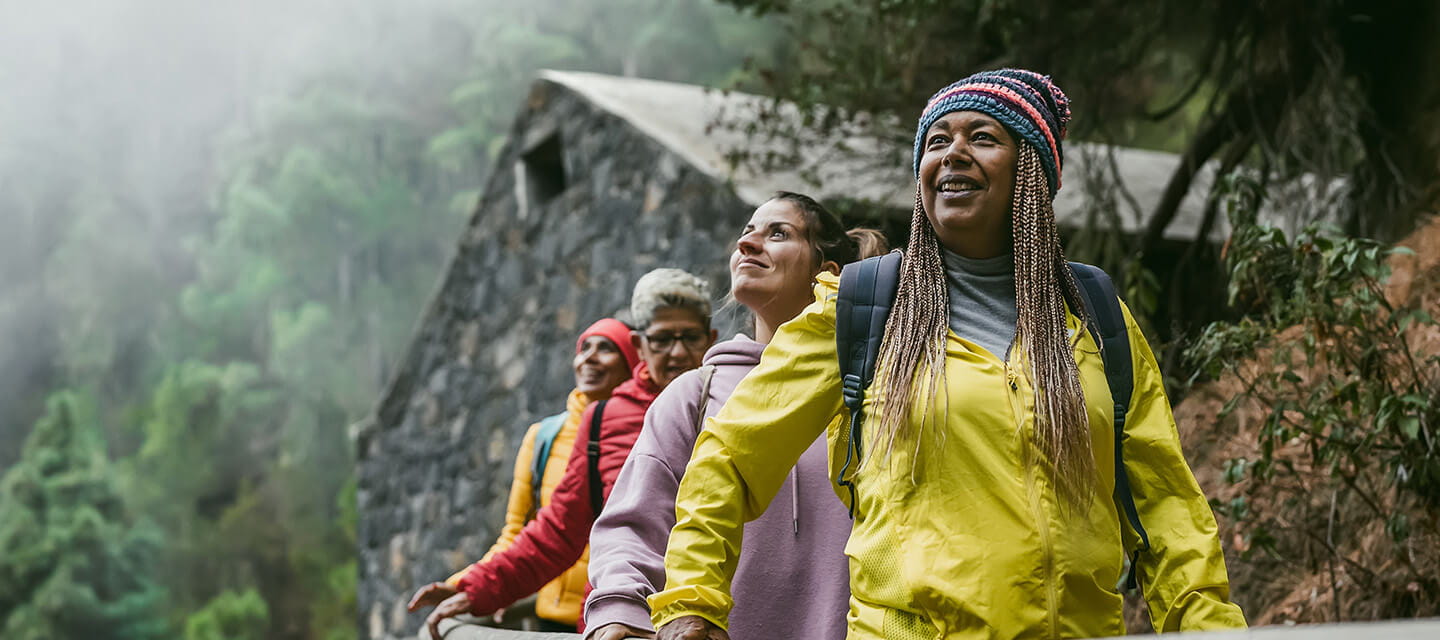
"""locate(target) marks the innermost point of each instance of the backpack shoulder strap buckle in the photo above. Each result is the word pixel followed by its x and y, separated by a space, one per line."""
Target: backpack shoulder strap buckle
pixel 867 292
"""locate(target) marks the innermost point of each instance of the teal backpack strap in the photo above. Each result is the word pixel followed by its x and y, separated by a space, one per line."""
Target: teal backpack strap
pixel 1108 327
pixel 540 455
pixel 867 291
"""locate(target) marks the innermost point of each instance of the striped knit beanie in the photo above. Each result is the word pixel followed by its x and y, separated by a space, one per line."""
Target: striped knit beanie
pixel 1027 103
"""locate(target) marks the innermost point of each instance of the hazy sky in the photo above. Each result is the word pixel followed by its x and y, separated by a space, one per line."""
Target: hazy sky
pixel 138 84
pixel 126 99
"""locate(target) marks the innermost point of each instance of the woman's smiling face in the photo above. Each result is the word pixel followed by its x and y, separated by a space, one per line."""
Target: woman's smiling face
pixel 773 259
pixel 967 180
pixel 599 367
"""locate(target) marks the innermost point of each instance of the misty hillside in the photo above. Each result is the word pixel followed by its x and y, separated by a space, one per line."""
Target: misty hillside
pixel 218 226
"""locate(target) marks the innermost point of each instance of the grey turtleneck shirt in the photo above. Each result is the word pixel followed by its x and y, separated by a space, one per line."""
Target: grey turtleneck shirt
pixel 982 300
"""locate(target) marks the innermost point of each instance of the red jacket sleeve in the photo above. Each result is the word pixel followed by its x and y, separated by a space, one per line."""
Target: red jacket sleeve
pixel 547 546
pixel 554 540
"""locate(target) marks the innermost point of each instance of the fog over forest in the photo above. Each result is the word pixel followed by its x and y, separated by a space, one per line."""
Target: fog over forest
pixel 218 226
pixel 114 111
pixel 135 92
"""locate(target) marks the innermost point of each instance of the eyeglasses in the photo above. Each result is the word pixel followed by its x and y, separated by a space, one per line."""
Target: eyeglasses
pixel 691 340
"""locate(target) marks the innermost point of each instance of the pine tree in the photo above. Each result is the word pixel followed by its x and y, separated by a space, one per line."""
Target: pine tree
pixel 72 563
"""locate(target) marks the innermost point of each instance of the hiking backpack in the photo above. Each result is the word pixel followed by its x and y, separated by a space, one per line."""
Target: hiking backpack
pixel 867 292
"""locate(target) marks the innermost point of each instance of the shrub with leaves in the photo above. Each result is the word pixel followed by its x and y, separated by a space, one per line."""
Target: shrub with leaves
pixel 230 616
pixel 1328 371
pixel 73 564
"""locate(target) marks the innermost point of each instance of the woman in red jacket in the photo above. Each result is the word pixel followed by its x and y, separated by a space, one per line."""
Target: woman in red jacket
pixel 671 309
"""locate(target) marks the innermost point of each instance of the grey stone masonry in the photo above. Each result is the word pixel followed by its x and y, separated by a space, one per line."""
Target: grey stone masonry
pixel 580 205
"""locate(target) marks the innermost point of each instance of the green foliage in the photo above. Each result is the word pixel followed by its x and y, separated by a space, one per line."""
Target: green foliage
pixel 1342 404
pixel 334 610
pixel 230 616
pixel 72 564
pixel 1342 375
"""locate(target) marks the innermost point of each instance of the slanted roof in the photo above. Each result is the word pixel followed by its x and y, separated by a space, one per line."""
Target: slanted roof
pixel 682 117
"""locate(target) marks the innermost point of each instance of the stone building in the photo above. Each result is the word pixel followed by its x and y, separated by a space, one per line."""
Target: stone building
pixel 603 179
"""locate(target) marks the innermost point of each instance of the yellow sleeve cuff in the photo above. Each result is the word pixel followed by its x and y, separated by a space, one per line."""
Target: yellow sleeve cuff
pixel 1208 610
pixel 693 600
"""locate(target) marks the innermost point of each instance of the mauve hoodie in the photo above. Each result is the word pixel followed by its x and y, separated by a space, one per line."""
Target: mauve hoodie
pixel 793 580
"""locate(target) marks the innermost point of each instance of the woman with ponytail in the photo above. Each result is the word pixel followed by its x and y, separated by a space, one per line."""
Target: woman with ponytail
pixel 792 579
pixel 983 506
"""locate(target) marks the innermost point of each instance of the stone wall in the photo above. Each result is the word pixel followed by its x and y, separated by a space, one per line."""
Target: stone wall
pixel 492 352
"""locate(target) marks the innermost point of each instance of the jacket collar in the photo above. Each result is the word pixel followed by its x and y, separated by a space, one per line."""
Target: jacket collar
pixel 639 388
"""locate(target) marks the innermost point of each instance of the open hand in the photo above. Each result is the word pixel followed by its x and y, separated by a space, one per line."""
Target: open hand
pixel 691 628
pixel 431 595
pixel 451 607
pixel 617 631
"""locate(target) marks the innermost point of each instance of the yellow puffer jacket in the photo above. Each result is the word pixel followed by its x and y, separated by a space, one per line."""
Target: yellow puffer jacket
pixel 560 599
pixel 961 536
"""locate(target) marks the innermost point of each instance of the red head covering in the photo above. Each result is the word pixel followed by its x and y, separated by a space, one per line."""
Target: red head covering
pixel 617 332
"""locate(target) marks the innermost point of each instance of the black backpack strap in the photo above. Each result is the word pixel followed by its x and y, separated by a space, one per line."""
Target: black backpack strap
pixel 1108 326
pixel 592 455
pixel 867 291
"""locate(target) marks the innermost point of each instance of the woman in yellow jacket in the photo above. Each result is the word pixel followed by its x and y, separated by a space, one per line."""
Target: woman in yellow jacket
pixel 604 357
pixel 983 505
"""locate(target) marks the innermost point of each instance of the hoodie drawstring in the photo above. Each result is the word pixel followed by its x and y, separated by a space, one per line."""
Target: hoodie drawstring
pixel 795 499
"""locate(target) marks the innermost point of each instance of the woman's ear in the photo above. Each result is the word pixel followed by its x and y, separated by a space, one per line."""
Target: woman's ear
pixel 831 266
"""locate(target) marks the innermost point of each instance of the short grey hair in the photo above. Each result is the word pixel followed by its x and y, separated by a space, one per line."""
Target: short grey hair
pixel 668 288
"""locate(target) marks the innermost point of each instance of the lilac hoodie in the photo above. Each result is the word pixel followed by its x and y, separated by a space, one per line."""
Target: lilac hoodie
pixel 792 581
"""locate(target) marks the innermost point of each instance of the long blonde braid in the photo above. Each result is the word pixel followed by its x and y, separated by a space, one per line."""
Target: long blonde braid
pixel 1043 285
pixel 913 348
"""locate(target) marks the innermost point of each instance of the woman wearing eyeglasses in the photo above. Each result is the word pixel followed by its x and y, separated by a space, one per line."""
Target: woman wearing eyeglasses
pixel 672 309
pixel 792 580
